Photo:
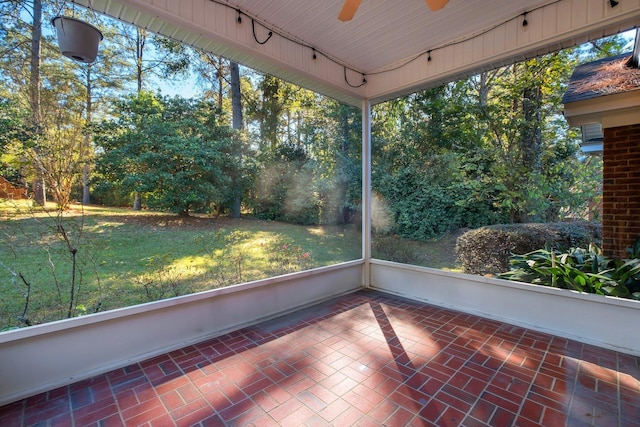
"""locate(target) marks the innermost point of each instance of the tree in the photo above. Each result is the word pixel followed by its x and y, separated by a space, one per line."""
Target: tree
pixel 172 149
pixel 162 57
pixel 16 130
pixel 39 193
pixel 101 81
pixel 491 148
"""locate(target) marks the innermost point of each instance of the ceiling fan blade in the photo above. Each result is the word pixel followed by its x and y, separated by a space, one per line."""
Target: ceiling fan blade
pixel 349 10
pixel 436 4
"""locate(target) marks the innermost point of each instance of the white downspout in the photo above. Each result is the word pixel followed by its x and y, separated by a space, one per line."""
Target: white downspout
pixel 366 192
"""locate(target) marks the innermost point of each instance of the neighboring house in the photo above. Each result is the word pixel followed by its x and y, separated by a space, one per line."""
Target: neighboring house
pixel 8 191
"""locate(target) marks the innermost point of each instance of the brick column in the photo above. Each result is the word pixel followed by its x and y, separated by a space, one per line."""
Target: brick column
pixel 621 189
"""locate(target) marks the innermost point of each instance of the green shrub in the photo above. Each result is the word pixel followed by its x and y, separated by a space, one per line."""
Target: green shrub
pixel 424 214
pixel 583 270
pixel 486 250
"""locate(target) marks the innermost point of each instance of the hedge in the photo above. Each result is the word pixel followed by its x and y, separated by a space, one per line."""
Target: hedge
pixel 486 250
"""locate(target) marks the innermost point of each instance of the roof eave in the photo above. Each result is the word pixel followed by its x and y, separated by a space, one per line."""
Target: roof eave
pixel 620 109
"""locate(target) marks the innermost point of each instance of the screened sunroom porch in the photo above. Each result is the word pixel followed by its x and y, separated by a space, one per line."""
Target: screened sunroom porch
pixel 124 347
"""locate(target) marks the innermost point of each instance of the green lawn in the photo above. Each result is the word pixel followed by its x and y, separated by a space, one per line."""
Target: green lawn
pixel 125 257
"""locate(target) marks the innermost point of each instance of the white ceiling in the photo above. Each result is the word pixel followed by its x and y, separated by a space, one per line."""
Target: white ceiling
pixel 383 32
pixel 387 43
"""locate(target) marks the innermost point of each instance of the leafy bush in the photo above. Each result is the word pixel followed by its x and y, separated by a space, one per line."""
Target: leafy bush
pixel 425 214
pixel 486 250
pixel 431 197
pixel 584 270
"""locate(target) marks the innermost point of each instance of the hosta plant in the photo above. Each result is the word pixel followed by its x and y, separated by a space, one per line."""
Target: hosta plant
pixel 584 270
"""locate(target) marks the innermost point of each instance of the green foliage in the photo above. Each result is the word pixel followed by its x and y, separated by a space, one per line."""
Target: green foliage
pixel 288 190
pixel 16 133
pixel 14 124
pixel 313 174
pixel 634 250
pixel 170 149
pixel 485 150
pixel 583 270
pixel 429 197
pixel 486 250
pixel 426 213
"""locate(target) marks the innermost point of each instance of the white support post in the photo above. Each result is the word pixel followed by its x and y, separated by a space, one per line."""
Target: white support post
pixel 366 191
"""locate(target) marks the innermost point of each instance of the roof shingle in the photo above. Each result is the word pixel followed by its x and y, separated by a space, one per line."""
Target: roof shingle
pixel 608 76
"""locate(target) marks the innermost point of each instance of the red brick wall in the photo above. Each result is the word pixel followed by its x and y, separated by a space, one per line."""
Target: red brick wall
pixel 621 189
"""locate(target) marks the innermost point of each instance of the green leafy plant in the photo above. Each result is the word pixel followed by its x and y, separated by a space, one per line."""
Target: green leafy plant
pixel 583 270
pixel 634 249
pixel 487 250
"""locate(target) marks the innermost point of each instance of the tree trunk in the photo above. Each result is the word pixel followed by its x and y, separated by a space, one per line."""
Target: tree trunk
pixel 483 90
pixel 236 108
pixel 532 132
pixel 38 186
pixel 141 39
pixel 137 203
pixel 86 147
pixel 220 75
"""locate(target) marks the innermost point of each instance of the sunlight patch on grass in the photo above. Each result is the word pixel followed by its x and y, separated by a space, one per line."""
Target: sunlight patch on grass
pixel 127 257
pixel 316 231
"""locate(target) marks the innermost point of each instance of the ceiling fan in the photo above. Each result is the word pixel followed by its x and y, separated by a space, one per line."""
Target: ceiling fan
pixel 351 6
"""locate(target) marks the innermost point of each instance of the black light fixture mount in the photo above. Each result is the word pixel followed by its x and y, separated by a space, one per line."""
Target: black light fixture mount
pixel 613 3
pixel 524 19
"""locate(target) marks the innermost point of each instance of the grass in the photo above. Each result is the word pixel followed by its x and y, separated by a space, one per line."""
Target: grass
pixel 127 257
pixel 438 253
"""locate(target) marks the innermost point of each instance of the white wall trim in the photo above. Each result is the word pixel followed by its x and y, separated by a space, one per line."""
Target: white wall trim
pixel 587 318
pixel 366 189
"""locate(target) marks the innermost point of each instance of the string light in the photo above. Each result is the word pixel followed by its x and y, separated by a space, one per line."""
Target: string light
pixel 315 52
pixel 346 67
pixel 458 42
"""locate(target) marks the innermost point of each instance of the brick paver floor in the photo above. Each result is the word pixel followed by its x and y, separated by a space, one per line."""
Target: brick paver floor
pixel 365 359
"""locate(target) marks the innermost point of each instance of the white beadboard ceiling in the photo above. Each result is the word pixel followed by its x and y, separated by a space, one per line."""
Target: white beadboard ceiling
pixel 388 42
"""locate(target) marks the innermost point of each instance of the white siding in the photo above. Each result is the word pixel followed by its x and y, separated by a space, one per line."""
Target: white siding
pixel 382 35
